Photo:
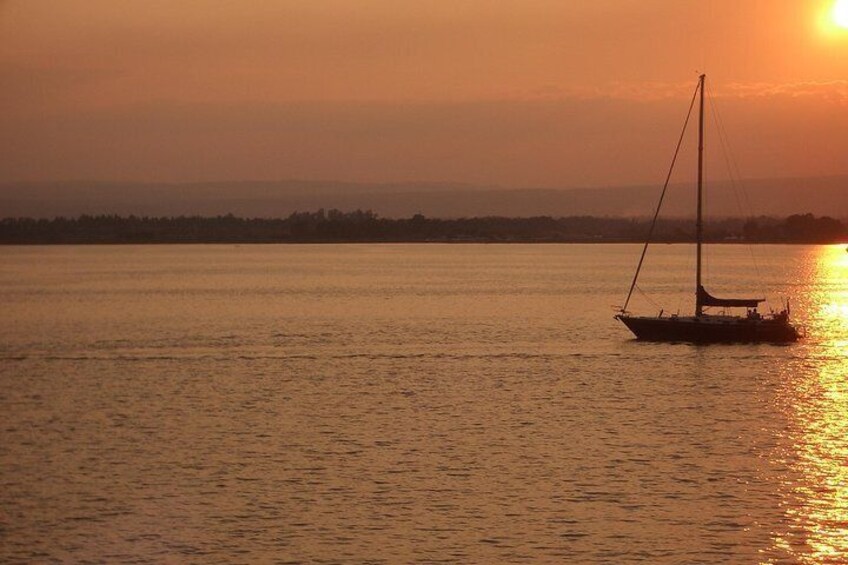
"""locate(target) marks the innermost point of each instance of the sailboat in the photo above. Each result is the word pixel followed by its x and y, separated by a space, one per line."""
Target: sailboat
pixel 704 327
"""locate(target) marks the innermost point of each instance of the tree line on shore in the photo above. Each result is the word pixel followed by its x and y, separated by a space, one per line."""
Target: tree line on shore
pixel 326 226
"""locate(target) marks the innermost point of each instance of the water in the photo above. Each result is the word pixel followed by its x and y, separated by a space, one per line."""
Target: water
pixel 413 403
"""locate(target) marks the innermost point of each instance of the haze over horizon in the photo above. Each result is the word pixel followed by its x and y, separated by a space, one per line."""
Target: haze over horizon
pixel 277 199
pixel 512 94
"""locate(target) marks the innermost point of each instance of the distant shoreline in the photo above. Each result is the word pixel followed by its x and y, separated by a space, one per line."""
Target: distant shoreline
pixel 364 227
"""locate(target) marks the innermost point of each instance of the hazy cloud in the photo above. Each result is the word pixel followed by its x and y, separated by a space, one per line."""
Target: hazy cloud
pixel 832 90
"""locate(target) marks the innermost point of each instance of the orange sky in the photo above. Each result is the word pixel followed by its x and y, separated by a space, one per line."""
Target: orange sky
pixel 508 92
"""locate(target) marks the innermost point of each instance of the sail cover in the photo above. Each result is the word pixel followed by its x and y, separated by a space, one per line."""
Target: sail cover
pixel 706 299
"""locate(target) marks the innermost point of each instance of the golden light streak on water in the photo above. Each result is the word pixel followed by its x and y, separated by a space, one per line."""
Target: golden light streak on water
pixel 815 501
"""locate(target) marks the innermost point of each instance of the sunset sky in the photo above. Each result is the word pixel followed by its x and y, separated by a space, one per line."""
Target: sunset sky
pixel 507 92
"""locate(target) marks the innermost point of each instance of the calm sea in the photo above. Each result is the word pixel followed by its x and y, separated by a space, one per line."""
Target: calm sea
pixel 414 403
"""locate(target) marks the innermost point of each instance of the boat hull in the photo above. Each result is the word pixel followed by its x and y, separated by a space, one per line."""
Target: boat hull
pixel 709 329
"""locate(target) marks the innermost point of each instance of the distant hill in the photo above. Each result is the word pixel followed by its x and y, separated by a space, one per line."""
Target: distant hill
pixel 772 197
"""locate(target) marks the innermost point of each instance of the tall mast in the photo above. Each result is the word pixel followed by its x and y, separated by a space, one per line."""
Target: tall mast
pixel 699 222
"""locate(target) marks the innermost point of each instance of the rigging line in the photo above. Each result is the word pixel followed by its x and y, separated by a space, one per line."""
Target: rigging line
pixel 724 143
pixel 662 197
pixel 735 170
pixel 736 183
pixel 646 297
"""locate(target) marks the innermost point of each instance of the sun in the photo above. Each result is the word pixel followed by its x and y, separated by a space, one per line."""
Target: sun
pixel 840 13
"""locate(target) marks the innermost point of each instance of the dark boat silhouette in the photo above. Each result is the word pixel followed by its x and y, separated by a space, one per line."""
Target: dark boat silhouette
pixel 704 327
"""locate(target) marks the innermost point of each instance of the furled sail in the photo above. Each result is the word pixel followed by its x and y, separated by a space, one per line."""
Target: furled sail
pixel 706 299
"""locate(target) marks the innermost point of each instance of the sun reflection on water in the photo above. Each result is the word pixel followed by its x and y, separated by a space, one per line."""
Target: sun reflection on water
pixel 815 495
pixel 832 295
